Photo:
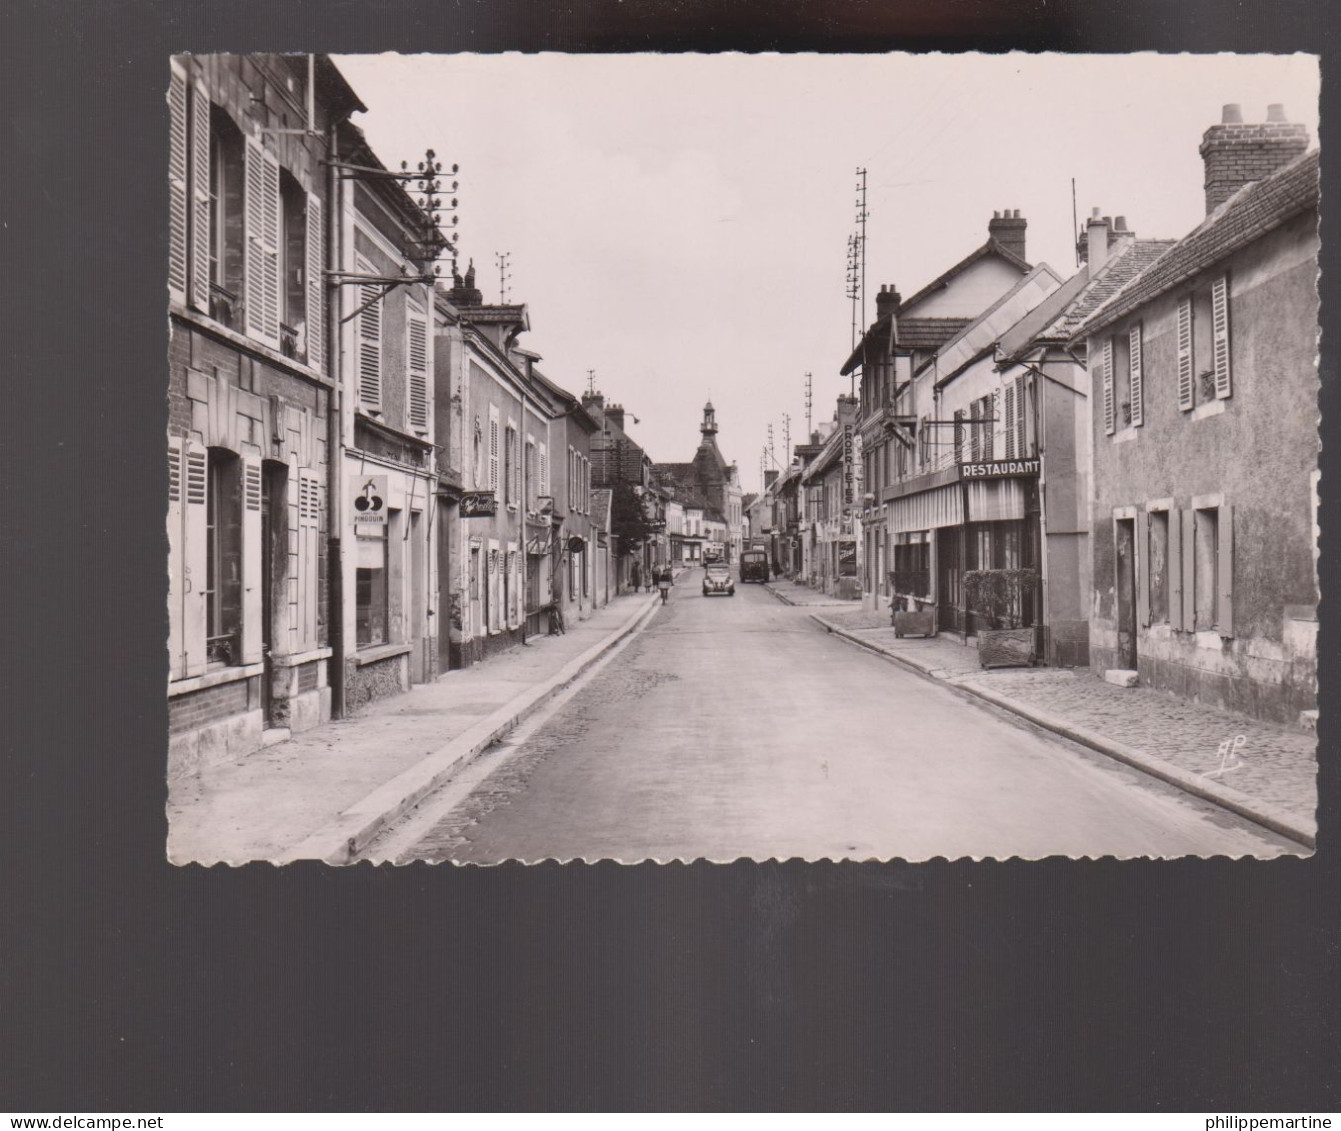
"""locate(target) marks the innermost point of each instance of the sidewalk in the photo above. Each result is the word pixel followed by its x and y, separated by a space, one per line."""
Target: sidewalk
pixel 790 593
pixel 1270 778
pixel 326 792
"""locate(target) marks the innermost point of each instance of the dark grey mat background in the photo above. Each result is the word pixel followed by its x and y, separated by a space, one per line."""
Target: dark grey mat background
pixel 129 985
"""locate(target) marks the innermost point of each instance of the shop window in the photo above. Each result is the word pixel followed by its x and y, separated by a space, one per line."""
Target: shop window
pixel 1157 568
pixel 370 591
pixel 223 557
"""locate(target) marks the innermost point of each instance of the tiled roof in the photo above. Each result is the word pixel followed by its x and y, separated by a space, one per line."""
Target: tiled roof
pixel 928 333
pixel 1126 263
pixel 1250 213
pixel 877 337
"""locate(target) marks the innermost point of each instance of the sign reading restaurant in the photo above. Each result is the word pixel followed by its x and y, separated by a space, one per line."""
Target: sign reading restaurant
pixel 998 468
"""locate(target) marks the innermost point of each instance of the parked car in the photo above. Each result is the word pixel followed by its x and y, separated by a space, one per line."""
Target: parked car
pixel 717 579
pixel 753 566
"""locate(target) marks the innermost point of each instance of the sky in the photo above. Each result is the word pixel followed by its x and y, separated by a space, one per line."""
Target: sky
pixel 679 223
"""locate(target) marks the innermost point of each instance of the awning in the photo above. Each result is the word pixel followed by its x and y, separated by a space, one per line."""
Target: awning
pixel 996 500
pixel 927 510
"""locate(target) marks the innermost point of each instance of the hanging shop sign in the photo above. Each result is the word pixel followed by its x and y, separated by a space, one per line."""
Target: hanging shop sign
pixel 370 501
pixel 998 469
pixel 479 504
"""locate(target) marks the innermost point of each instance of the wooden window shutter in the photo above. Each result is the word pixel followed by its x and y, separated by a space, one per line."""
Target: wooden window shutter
pixel 959 435
pixel 1224 612
pixel 1010 421
pixel 416 322
pixel 1110 415
pixel 1022 416
pixel 1185 389
pixel 544 468
pixel 309 535
pixel 1174 568
pixel 316 284
pixel 1189 571
pixel 493 449
pixel 993 407
pixel 370 340
pixel 1142 525
pixel 252 581
pixel 199 296
pixel 1136 392
pixel 195 569
pixel 261 213
pixel 1220 336
pixel 176 559
pixel 179 190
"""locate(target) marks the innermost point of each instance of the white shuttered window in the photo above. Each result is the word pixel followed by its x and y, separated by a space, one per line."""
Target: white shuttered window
pixel 1220 336
pixel 1110 416
pixel 370 340
pixel 1136 391
pixel 416 324
pixel 1185 390
pixel 261 214
pixel 179 209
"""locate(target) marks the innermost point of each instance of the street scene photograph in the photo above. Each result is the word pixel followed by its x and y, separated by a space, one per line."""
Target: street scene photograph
pixel 656 457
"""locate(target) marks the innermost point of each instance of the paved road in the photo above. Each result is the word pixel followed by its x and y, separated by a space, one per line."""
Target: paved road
pixel 736 727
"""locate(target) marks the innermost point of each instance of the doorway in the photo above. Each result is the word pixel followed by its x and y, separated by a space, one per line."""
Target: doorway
pixel 274 579
pixel 1126 593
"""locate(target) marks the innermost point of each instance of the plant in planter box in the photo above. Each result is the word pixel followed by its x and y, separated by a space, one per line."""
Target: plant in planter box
pixel 998 596
pixel 907 613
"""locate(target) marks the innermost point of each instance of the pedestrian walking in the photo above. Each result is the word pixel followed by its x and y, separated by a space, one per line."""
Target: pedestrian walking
pixel 636 575
pixel 664 583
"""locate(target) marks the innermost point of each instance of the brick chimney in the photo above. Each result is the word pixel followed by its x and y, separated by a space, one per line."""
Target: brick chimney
pixel 615 414
pixel 1236 152
pixel 596 399
pixel 887 300
pixel 1007 228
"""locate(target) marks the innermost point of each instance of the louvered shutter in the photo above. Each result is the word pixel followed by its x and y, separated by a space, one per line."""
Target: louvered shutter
pixel 1185 390
pixel 195 569
pixel 1136 391
pixel 1022 448
pixel 1220 335
pixel 252 581
pixel 416 322
pixel 493 450
pixel 179 207
pixel 261 300
pixel 1189 571
pixel 199 251
pixel 316 284
pixel 309 534
pixel 495 590
pixel 1224 580
pixel 1010 421
pixel 294 582
pixel 544 469
pixel 1142 525
pixel 1173 568
pixel 959 435
pixel 993 407
pixel 370 341
pixel 1110 417
pixel 176 561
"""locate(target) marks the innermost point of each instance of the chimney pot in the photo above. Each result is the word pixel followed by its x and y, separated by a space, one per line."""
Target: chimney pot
pixel 1017 213
pixel 1094 213
pixel 996 215
pixel 1232 112
pixel 1276 112
pixel 1120 224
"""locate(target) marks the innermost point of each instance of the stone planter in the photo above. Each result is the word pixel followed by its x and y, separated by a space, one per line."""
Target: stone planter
pixel 1006 647
pixel 920 623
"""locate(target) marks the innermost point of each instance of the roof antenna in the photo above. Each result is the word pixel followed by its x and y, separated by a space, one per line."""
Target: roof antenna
pixel 504 275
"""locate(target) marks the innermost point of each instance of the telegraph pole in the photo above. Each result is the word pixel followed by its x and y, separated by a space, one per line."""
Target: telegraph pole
pixel 809 399
pixel 503 259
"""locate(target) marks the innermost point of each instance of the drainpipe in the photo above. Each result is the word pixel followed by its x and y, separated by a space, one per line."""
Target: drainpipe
pixel 334 446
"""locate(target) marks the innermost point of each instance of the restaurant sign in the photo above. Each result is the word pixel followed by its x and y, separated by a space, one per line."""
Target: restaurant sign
pixel 999 469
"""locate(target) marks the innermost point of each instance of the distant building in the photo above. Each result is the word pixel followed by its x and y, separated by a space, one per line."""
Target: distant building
pixel 712 485
pixel 1204 381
